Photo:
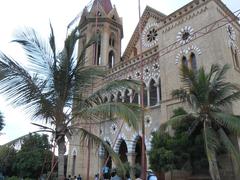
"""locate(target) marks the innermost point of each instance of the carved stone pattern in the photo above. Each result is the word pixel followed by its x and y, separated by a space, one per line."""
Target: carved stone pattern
pixel 187 51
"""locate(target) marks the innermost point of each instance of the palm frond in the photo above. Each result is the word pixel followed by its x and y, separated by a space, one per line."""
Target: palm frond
pixel 231 122
pixel 180 94
pixel 87 136
pixel 130 113
pixel 37 50
pixel 175 121
pixel 230 147
pixel 18 85
pixel 53 47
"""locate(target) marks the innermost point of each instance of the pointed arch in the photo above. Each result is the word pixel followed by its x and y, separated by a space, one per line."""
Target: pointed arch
pixel 98 46
pixel 112 40
pixel 145 95
pixel 135 97
pixel 235 57
pixel 193 61
pixel 184 61
pixel 119 97
pixel 111 59
pixel 123 150
pixel 126 96
pixel 153 92
pixel 74 156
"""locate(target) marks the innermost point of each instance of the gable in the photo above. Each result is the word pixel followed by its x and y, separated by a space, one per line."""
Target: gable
pixel 148 20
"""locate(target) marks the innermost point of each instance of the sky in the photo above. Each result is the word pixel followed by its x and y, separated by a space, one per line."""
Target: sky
pixel 15 14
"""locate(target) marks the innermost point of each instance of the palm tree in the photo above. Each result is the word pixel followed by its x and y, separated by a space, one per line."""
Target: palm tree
pixel 209 96
pixel 52 82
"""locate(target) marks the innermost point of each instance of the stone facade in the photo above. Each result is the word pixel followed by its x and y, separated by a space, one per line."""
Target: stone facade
pixel 201 33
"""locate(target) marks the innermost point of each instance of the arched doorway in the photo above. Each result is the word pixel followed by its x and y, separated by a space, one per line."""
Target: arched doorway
pixel 123 151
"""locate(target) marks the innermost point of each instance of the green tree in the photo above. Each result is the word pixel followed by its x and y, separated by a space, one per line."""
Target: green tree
pixel 7 158
pixel 51 82
pixel 209 97
pixel 180 150
pixel 34 157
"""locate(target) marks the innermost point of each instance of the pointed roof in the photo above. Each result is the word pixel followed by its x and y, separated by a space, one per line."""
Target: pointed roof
pixel 106 5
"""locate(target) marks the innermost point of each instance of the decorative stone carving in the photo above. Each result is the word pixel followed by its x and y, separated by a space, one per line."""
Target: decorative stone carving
pixel 150 35
pixel 187 51
pixel 185 35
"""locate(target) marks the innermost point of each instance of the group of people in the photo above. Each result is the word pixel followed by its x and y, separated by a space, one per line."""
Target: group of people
pixel 74 178
pixel 114 176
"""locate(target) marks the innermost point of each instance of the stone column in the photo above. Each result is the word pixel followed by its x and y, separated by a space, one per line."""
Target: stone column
pixel 131 159
pixel 158 93
pixel 148 96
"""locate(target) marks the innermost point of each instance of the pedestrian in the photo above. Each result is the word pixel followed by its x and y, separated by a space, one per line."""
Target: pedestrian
pixel 105 171
pixel 79 177
pixel 96 177
pixel 151 175
pixel 114 175
pixel 69 177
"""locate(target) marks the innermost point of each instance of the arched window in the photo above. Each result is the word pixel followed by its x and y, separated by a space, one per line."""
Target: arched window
pixel 235 57
pixel 111 59
pixel 153 93
pixel 74 162
pixel 123 151
pixel 98 60
pixel 105 100
pixel 112 98
pixel 119 97
pixel 112 40
pixel 160 90
pixel 134 51
pixel 145 96
pixel 193 61
pixel 184 61
pixel 135 97
pixel 126 96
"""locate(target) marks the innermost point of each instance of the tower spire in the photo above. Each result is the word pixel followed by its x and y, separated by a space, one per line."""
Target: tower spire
pixel 106 5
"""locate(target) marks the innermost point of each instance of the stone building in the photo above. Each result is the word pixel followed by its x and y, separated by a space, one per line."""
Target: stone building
pixel 200 33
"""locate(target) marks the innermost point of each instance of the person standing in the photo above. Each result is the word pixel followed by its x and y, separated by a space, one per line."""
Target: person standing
pixel 151 175
pixel 79 177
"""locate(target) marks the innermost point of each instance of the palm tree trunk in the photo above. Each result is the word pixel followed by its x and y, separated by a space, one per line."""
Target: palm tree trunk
pixel 211 155
pixel 61 152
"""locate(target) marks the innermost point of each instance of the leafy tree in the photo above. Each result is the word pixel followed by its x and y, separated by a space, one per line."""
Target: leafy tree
pixel 52 81
pixel 1 121
pixel 34 157
pixel 178 151
pixel 7 158
pixel 209 97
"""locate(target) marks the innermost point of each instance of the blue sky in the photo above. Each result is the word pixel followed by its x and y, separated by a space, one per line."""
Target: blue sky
pixel 15 14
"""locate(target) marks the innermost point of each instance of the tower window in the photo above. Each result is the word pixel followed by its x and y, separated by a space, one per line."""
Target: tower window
pixel 112 40
pixel 98 50
pixel 111 59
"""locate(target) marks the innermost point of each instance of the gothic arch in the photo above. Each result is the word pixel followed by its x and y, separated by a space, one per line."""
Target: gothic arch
pixel 184 61
pixel 153 92
pixel 98 47
pixel 127 96
pixel 112 40
pixel 193 61
pixel 119 96
pixel 74 157
pixel 123 150
pixel 111 59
